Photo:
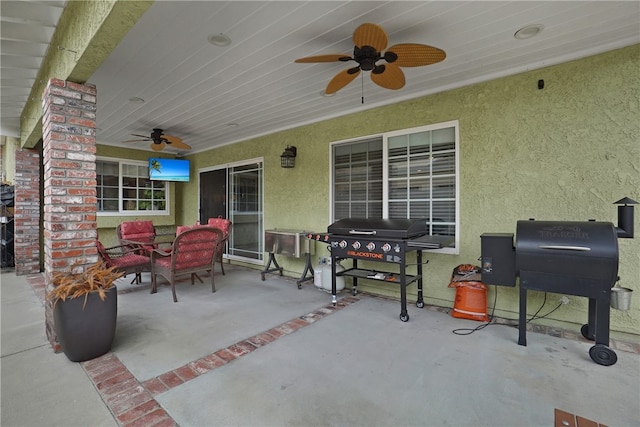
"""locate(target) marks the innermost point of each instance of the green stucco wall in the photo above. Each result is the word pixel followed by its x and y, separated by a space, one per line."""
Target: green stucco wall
pixel 566 152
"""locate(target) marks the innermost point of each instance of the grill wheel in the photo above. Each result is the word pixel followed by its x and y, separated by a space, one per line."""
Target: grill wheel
pixel 585 333
pixel 603 355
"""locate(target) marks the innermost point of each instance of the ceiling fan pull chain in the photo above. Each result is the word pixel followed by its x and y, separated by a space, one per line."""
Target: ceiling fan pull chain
pixel 362 87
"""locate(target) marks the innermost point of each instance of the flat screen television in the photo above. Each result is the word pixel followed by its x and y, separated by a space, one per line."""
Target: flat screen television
pixel 169 169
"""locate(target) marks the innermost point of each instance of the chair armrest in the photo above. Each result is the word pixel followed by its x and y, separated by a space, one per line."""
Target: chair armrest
pixel 158 253
pixel 119 251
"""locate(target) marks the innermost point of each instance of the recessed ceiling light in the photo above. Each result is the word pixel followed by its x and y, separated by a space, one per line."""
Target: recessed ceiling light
pixel 528 31
pixel 136 99
pixel 219 40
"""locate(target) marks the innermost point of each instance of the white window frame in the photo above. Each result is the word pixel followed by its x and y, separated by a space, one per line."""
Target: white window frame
pixel 121 211
pixel 455 250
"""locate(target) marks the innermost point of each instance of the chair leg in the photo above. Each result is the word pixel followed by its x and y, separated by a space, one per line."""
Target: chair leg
pixel 213 283
pixel 221 264
pixel 154 288
pixel 173 289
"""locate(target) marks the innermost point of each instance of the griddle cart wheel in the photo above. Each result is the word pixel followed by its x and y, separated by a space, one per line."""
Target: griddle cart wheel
pixel 404 317
pixel 420 304
pixel 585 333
pixel 603 355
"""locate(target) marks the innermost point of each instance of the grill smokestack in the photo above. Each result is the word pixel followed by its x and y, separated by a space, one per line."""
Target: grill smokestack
pixel 625 218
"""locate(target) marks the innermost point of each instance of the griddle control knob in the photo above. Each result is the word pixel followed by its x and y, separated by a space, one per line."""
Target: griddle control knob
pixel 371 246
pixel 386 247
pixel 356 245
pixel 342 244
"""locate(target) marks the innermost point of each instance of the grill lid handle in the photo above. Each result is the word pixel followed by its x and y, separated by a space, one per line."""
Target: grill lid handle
pixel 566 248
pixel 368 233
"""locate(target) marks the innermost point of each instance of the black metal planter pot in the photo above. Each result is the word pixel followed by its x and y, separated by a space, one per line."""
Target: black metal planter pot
pixel 86 331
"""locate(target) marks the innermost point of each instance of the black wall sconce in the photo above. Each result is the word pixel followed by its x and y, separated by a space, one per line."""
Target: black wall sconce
pixel 288 157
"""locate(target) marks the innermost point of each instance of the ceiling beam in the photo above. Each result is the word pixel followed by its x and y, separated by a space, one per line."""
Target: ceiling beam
pixel 86 34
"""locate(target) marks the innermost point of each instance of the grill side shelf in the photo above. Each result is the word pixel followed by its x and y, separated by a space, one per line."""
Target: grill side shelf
pixel 387 277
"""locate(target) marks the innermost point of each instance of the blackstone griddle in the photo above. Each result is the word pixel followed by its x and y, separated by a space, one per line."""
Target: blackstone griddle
pixel 381 240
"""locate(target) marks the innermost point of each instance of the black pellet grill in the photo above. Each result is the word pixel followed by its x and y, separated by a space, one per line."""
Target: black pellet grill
pixel 382 240
pixel 566 257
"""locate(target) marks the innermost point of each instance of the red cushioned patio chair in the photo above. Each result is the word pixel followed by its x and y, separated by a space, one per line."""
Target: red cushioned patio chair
pixel 193 250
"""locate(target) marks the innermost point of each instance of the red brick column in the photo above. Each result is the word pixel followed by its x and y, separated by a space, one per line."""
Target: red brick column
pixel 26 244
pixel 69 162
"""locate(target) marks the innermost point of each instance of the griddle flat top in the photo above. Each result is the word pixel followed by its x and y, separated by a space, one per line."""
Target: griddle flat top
pixel 380 228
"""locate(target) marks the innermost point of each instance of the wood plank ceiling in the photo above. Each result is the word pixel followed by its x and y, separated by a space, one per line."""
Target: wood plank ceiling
pixel 211 95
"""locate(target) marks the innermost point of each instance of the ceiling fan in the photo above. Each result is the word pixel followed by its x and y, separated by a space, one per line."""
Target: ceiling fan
pixel 370 40
pixel 159 140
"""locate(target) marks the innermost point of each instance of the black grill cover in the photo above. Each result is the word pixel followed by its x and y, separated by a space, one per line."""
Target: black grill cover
pixel 380 228
pixel 570 249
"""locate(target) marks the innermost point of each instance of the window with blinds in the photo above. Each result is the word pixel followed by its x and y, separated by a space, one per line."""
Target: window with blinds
pixel 357 179
pixel 411 173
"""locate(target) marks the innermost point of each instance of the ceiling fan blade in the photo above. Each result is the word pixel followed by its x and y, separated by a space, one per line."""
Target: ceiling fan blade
pixel 141 136
pixel 416 55
pixel 157 147
pixel 370 35
pixel 170 139
pixel 137 140
pixel 325 58
pixel 179 144
pixel 391 77
pixel 342 79
pixel 175 142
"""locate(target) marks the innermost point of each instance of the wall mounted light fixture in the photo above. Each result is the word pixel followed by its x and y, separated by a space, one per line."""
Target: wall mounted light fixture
pixel 288 157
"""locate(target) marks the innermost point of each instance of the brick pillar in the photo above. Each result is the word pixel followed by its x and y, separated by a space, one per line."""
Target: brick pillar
pixel 69 162
pixel 26 244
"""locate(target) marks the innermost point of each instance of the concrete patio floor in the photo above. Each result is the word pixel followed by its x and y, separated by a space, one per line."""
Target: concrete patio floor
pixel 264 353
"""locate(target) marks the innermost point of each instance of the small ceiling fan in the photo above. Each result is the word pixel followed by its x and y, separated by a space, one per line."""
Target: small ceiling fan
pixel 159 140
pixel 370 40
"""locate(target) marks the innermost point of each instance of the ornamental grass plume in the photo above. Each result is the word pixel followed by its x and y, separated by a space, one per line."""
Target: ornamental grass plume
pixel 79 281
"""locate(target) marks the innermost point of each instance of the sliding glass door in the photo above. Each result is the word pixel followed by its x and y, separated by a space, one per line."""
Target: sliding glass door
pixel 235 192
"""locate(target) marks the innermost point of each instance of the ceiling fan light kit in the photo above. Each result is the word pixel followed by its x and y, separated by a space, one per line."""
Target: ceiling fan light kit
pixel 370 41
